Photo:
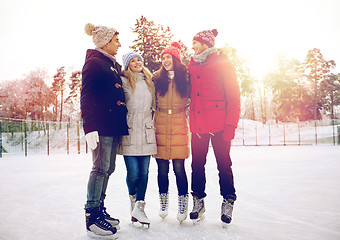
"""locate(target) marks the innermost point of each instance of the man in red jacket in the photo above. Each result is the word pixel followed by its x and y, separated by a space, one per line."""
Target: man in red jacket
pixel 214 114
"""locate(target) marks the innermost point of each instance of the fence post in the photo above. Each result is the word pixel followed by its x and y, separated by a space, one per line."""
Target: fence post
pixel 25 137
pixel 243 129
pixel 0 140
pixel 68 137
pixel 256 132
pixel 299 132
pixel 284 133
pixel 48 139
pixel 78 140
pixel 269 135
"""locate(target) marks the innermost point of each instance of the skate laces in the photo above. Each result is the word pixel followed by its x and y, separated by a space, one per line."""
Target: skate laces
pixel 182 203
pixel 102 223
pixel 141 207
pixel 107 215
pixel 198 204
pixel 227 207
pixel 164 201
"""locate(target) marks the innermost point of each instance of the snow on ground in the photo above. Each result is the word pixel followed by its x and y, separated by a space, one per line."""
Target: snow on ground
pixel 284 192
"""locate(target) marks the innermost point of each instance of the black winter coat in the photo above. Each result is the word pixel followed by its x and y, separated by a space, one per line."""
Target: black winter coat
pixel 102 100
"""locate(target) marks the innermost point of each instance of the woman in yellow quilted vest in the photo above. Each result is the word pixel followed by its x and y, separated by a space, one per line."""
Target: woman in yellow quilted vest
pixel 172 85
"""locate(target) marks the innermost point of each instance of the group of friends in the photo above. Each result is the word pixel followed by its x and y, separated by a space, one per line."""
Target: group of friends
pixel 169 114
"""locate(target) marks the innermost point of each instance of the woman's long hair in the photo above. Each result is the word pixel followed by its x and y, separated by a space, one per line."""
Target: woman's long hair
pixel 181 79
pixel 132 79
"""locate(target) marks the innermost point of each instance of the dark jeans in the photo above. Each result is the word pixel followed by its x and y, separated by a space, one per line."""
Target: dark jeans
pixel 137 168
pixel 104 163
pixel 163 176
pixel 199 148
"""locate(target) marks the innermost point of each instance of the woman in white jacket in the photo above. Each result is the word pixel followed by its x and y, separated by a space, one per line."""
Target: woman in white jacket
pixel 140 144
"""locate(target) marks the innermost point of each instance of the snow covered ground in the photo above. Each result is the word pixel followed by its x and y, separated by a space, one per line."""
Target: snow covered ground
pixel 284 192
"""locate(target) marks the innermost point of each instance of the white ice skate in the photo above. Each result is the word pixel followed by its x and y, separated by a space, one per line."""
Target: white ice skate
pixel 164 205
pixel 182 208
pixel 138 215
pixel 132 202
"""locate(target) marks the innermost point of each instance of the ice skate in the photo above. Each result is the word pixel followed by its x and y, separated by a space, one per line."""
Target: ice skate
pixel 132 202
pixel 198 209
pixel 182 208
pixel 113 221
pixel 226 211
pixel 98 227
pixel 164 205
pixel 138 215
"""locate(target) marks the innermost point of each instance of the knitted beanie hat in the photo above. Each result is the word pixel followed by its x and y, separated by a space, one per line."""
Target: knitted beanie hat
pixel 207 37
pixel 127 57
pixel 174 50
pixel 101 34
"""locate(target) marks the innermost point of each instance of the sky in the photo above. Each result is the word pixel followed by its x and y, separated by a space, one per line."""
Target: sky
pixel 50 34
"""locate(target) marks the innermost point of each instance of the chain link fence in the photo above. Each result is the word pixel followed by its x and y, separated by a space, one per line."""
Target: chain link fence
pixel 20 137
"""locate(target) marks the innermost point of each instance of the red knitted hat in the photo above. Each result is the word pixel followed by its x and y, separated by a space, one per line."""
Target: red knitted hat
pixel 174 50
pixel 207 37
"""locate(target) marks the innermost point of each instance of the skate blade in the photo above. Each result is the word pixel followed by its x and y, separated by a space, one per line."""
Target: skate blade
pixel 93 235
pixel 225 225
pixel 198 220
pixel 136 223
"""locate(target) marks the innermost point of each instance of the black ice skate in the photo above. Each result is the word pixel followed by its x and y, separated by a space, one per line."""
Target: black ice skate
pixel 227 210
pixel 113 221
pixel 198 209
pixel 98 227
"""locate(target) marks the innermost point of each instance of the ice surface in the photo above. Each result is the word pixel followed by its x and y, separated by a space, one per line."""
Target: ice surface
pixel 284 192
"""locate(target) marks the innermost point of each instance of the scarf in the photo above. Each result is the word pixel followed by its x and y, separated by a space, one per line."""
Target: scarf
pixel 171 74
pixel 200 58
pixel 113 58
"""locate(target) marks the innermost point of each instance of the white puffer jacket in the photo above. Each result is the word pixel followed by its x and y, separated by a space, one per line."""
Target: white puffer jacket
pixel 141 140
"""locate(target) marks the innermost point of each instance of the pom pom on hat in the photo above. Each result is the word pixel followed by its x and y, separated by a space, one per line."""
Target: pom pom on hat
pixel 174 50
pixel 127 57
pixel 101 34
pixel 89 29
pixel 207 37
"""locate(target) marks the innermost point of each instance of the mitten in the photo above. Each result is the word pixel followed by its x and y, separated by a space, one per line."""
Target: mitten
pixel 229 132
pixel 92 138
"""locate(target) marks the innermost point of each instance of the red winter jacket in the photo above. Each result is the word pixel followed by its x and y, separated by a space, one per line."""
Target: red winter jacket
pixel 215 95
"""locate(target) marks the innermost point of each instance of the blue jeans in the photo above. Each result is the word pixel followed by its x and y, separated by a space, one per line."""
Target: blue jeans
pixel 104 163
pixel 199 149
pixel 137 168
pixel 163 176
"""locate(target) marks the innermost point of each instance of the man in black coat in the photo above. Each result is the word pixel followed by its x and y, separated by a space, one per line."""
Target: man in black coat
pixel 103 111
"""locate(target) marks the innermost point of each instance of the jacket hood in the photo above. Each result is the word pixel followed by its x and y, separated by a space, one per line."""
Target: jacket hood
pixel 92 53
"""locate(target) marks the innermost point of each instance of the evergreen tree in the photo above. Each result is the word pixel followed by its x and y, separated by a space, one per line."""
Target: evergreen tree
pixel 246 81
pixel 37 95
pixel 151 41
pixel 28 98
pixel 73 99
pixel 58 90
pixel 283 84
pixel 316 70
pixel 330 93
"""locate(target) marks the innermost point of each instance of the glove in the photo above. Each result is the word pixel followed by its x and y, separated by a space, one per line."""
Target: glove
pixel 229 133
pixel 92 138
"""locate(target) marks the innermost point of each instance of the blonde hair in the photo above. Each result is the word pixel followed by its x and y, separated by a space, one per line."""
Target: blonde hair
pixel 132 79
